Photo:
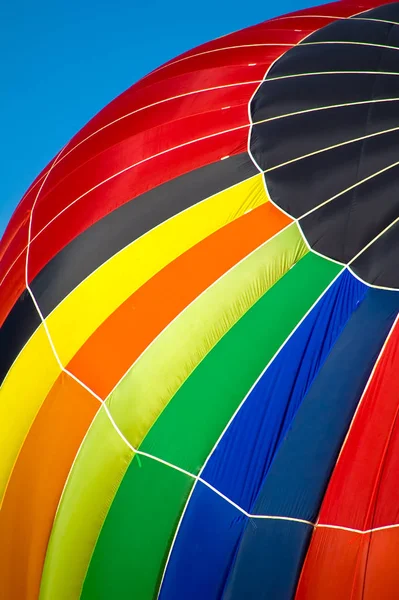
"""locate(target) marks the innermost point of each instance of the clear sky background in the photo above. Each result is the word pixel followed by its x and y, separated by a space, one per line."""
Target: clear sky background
pixel 62 61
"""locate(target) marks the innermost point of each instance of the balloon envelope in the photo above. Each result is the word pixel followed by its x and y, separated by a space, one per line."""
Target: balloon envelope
pixel 199 342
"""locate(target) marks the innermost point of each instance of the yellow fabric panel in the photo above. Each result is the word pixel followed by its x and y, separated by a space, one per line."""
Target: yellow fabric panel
pixel 91 487
pixel 21 395
pixel 82 311
pixel 157 375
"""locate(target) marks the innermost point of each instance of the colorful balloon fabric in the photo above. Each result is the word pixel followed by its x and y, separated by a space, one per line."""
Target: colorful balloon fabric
pixel 200 338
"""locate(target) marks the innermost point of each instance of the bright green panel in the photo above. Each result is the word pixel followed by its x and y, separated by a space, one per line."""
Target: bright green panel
pixel 138 529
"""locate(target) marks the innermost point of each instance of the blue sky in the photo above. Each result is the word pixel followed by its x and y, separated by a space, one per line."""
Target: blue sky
pixel 62 61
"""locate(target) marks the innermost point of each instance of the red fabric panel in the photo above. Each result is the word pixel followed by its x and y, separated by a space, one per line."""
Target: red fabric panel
pixel 12 287
pixel 345 565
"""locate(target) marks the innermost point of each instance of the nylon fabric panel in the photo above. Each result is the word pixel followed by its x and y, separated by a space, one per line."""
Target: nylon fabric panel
pixel 28 381
pixel 362 494
pixel 81 313
pixel 299 474
pixel 186 341
pixel 12 283
pixel 11 287
pixel 237 467
pixel 138 321
pixel 91 486
pixel 189 426
pixel 36 483
pixel 337 560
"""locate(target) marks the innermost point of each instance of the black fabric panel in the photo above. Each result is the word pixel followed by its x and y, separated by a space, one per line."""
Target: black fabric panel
pixel 345 30
pixel 322 176
pixel 390 12
pixel 306 58
pixel 342 228
pixel 286 140
pixel 379 264
pixel 16 330
pixel 285 96
pixel 105 238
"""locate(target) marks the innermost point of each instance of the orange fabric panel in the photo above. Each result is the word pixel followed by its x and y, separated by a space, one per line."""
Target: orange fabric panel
pixel 347 565
pixel 111 350
pixel 36 485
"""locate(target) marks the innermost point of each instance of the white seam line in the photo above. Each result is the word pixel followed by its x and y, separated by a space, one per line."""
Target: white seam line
pixel 350 43
pixel 370 285
pixel 263 121
pixel 361 531
pixel 317 73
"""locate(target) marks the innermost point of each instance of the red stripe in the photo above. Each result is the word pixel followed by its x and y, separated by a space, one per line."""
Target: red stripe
pixel 343 565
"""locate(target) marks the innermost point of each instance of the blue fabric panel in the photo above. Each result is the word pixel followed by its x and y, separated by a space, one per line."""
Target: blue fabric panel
pixel 211 528
pixel 299 473
pixel 204 548
pixel 274 546
pixel 243 457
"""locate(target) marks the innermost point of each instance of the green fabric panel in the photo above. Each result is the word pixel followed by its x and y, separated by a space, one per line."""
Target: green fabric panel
pixel 135 551
pixel 130 553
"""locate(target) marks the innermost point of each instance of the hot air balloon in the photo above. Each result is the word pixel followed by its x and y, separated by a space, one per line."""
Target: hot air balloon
pixel 200 339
